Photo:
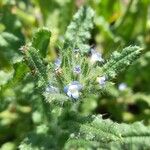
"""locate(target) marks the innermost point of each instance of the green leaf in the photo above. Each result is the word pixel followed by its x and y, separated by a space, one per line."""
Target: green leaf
pixel 9 45
pixel 11 38
pixel 91 133
pixel 119 61
pixel 37 142
pixel 106 134
pixel 36 65
pixel 78 32
pixel 41 40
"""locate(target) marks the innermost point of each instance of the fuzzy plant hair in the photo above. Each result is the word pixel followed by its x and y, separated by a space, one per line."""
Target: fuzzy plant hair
pixel 78 72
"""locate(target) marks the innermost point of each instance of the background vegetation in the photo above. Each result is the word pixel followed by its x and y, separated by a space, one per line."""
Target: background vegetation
pixel 117 24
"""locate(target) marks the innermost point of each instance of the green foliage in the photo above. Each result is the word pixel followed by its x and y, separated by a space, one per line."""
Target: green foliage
pixel 35 64
pixel 41 40
pixel 119 61
pixel 97 133
pixel 92 133
pixel 105 134
pixel 11 37
pixel 8 41
pixel 78 32
pixel 116 63
pixel 59 95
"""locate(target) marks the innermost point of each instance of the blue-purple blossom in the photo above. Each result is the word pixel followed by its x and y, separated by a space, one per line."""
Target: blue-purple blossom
pixel 73 89
pixel 57 63
pixel 101 80
pixel 122 86
pixel 96 56
pixel 77 69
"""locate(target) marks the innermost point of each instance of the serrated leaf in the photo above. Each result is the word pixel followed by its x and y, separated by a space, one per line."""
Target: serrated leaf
pixel 119 61
pixel 78 32
pixel 41 40
pixel 37 142
pixel 106 134
pixel 36 65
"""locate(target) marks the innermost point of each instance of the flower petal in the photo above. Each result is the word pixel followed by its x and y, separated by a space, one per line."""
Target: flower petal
pixel 75 95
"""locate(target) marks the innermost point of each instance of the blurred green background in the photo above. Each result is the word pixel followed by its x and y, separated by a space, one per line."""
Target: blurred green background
pixel 117 24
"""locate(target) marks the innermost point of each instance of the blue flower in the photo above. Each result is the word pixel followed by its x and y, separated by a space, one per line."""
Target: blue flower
pixel 96 56
pixel 73 89
pixel 101 80
pixel 57 63
pixel 77 69
pixel 51 89
pixel 122 86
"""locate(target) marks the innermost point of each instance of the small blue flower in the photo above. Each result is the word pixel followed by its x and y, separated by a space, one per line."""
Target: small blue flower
pixel 122 86
pixel 96 56
pixel 57 63
pixel 51 89
pixel 77 69
pixel 78 84
pixel 73 89
pixel 101 80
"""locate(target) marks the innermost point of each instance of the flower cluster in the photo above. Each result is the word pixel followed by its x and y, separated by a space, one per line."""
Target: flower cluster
pixel 74 88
